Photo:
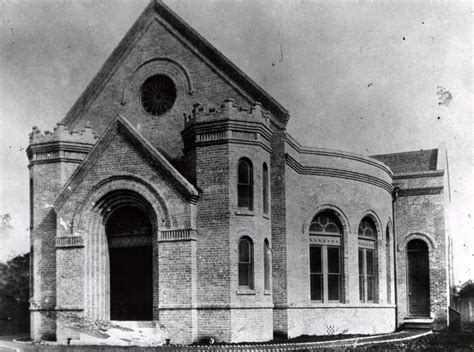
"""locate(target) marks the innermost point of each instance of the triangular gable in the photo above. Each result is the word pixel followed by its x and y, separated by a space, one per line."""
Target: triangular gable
pixel 214 57
pixel 121 126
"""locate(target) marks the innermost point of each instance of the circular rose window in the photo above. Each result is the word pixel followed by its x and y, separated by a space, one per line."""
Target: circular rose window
pixel 158 94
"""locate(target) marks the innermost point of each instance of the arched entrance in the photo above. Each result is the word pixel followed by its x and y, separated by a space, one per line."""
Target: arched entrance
pixel 418 278
pixel 129 237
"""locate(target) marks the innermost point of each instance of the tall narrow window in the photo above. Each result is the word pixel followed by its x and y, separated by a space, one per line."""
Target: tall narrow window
pixel 245 263
pixel 265 189
pixel 266 264
pixel 325 258
pixel 367 260
pixel 245 184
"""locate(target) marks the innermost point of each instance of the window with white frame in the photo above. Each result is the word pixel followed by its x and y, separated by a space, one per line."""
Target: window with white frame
pixel 245 184
pixel 325 256
pixel 367 238
pixel 246 263
pixel 266 264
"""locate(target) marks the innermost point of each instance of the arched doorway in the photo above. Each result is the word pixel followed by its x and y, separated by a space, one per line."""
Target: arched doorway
pixel 418 278
pixel 129 237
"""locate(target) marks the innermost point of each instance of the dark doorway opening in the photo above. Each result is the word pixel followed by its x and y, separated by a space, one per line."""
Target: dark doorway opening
pixel 131 265
pixel 418 279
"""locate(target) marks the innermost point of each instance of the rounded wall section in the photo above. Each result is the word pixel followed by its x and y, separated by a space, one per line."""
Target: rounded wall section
pixel 352 187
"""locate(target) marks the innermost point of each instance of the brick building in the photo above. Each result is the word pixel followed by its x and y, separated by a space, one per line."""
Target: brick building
pixel 171 192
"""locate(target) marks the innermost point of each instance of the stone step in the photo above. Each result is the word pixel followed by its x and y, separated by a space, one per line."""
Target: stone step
pixel 135 324
pixel 418 323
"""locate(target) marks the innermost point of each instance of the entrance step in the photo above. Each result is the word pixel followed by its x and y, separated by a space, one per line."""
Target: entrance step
pixel 418 323
pixel 135 324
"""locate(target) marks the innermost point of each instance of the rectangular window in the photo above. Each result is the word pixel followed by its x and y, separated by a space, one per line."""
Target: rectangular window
pixel 370 275
pixel 366 275
pixel 334 274
pixel 315 258
pixel 361 276
pixel 243 196
pixel 245 274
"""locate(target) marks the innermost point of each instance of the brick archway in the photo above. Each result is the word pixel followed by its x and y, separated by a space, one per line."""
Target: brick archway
pixel 91 219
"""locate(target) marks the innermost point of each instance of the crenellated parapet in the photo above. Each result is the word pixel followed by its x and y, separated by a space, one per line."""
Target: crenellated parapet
pixel 227 123
pixel 62 144
pixel 63 134
pixel 228 111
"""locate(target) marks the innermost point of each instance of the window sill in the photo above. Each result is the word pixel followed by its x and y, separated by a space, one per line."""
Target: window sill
pixel 245 292
pixel 244 212
pixel 267 292
pixel 266 216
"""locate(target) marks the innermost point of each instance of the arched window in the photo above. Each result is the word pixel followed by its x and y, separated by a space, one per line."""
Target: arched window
pixel 266 264
pixel 265 189
pixel 367 234
pixel 325 258
pixel 245 184
pixel 245 263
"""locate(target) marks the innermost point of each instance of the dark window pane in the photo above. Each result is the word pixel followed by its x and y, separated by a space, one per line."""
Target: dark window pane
pixel 333 287
pixel 315 227
pixel 332 228
pixel 244 172
pixel 333 260
pixel 361 288
pixel 361 262
pixel 244 279
pixel 315 259
pixel 244 251
pixel 370 262
pixel 243 196
pixel 245 185
pixel 316 287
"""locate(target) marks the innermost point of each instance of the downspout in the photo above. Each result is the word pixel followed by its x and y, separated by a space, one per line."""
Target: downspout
pixel 395 276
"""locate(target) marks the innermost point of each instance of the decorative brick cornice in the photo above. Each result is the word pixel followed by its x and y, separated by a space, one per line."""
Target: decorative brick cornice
pixel 227 124
pixel 419 174
pixel 425 191
pixel 61 145
pixel 69 242
pixel 337 154
pixel 338 173
pixel 177 235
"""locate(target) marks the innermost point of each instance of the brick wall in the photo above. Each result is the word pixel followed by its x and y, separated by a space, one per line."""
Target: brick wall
pixel 120 92
pixel 422 216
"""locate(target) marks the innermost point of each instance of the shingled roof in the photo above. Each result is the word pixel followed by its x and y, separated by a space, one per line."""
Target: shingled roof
pixel 416 161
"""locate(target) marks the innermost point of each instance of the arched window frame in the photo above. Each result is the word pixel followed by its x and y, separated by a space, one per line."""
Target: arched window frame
pixel 326 258
pixel 267 265
pixel 245 264
pixel 367 260
pixel 245 184
pixel 265 189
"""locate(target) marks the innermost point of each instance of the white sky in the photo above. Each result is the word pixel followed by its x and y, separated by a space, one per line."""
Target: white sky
pixel 360 77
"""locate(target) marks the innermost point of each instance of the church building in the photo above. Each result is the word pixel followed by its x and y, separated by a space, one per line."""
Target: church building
pixel 172 195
